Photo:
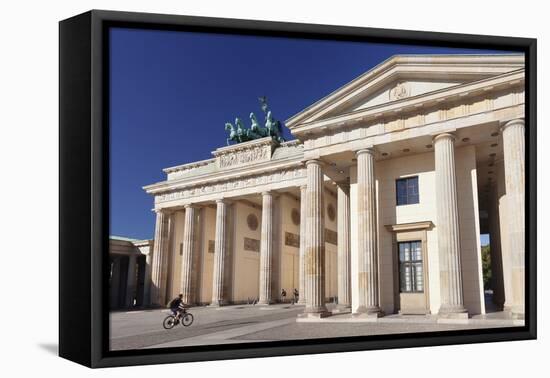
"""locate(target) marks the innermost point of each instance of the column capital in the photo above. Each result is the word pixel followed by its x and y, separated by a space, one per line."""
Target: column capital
pixel 314 161
pixel 190 206
pixel 223 200
pixel 444 136
pixel 516 121
pixel 303 187
pixel 369 150
pixel 268 193
pixel 163 211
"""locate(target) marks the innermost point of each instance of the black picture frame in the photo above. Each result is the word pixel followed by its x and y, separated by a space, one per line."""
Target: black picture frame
pixel 84 188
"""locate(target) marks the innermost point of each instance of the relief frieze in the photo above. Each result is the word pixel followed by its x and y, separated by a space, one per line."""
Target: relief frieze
pixel 252 245
pixel 237 183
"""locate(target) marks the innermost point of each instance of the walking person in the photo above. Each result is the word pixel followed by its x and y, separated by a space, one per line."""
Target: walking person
pixel 296 296
pixel 283 295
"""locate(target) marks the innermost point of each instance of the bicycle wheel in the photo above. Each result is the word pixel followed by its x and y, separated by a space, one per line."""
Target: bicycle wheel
pixel 187 320
pixel 169 322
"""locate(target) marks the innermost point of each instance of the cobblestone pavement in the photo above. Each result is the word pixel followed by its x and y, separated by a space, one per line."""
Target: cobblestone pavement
pixel 238 324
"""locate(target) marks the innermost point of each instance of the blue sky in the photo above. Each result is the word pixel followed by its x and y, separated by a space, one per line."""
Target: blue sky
pixel 172 92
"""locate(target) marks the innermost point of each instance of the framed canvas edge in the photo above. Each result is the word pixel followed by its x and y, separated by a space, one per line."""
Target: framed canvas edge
pixel 95 328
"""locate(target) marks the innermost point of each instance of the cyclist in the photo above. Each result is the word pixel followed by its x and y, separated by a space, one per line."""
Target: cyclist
pixel 176 305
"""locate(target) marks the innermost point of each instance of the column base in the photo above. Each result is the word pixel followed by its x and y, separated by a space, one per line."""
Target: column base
pixel 371 312
pixel 518 312
pixel 368 316
pixel 314 315
pixel 342 309
pixel 301 302
pixel 447 311
pixel 452 315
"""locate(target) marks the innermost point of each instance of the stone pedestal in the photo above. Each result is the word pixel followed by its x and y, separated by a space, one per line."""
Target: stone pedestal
pixel 368 297
pixel 315 242
pixel 303 217
pixel 189 237
pixel 266 250
pixel 220 253
pixel 344 250
pixel 513 140
pixel 160 259
pixel 448 232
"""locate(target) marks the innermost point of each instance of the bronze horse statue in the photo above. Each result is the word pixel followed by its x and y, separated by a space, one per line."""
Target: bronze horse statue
pixel 273 128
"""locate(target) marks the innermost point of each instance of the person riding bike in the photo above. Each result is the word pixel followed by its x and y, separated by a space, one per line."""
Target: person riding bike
pixel 176 305
pixel 178 314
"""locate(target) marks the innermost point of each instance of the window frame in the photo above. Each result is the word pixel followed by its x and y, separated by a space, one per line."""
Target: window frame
pixel 407 195
pixel 411 263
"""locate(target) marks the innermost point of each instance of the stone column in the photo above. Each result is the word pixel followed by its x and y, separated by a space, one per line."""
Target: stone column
pixel 513 141
pixel 504 239
pixel 315 242
pixel 115 283
pixel 188 246
pixel 148 271
pixel 344 250
pixel 497 280
pixel 266 249
pixel 220 246
pixel 160 255
pixel 303 217
pixel 369 302
pixel 448 230
pixel 131 281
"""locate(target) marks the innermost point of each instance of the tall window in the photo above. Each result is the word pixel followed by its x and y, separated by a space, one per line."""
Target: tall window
pixel 407 190
pixel 411 269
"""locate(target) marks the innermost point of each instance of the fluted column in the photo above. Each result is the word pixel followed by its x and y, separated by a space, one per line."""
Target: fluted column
pixel 220 253
pixel 148 271
pixel 497 280
pixel 513 141
pixel 315 242
pixel 504 239
pixel 131 281
pixel 189 237
pixel 160 257
pixel 344 284
pixel 303 218
pixel 266 249
pixel 448 235
pixel 369 304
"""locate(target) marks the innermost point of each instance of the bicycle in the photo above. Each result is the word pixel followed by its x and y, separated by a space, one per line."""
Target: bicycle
pixel 171 320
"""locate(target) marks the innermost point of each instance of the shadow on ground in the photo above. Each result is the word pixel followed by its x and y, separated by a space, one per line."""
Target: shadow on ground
pixel 52 348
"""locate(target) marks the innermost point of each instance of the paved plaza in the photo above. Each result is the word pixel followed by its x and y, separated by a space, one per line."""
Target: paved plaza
pixel 247 323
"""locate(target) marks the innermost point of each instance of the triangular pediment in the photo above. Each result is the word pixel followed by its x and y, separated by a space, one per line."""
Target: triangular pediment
pixel 406 76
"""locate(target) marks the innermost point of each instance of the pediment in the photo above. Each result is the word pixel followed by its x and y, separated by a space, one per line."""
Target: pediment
pixel 402 77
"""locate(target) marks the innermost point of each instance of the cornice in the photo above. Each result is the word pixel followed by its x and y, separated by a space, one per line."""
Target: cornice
pixel 240 172
pixel 425 225
pixel 439 98
pixel 479 65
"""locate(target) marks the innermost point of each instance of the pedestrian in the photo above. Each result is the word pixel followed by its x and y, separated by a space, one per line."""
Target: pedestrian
pixel 296 295
pixel 283 295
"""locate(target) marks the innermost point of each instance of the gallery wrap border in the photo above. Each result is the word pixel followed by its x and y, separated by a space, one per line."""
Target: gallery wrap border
pixel 84 181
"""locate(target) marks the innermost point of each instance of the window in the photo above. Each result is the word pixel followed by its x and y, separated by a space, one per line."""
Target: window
pixel 411 269
pixel 407 190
